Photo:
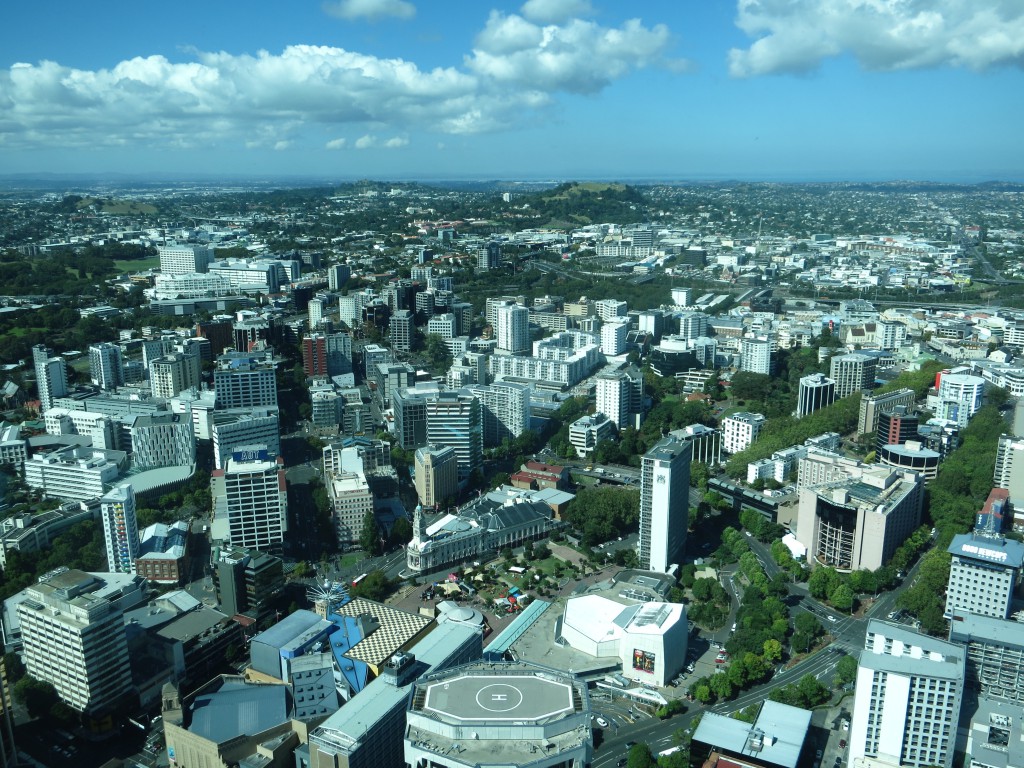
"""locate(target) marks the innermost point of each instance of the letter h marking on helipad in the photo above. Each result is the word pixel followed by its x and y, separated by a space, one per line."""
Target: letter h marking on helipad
pixel 498 697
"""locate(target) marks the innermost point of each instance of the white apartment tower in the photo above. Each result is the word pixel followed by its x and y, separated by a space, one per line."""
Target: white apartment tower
pixel 173 374
pixel 402 330
pixel 983 574
pixel 184 259
pixel 120 528
pixel 75 640
pixel 816 391
pixel 613 338
pixel 664 503
pixel 512 329
pixel 51 375
pixel 960 397
pixel 250 501
pixel 620 397
pixel 245 385
pixel 504 410
pixel 610 309
pixel 106 368
pixel 740 430
pixel 756 356
pixel 908 693
pixel 693 325
pixel 1009 470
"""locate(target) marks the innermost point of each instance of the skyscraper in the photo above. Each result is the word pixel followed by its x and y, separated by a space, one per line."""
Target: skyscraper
pixel 613 338
pixel 505 410
pixel 756 356
pixel 620 396
pixel 816 391
pixel 106 368
pixel 244 383
pixel 513 328
pixel 402 329
pixel 172 374
pixel 250 501
pixel 1009 469
pixel 852 373
pixel 664 503
pixel 120 528
pixel 908 694
pixel 437 474
pixel 184 259
pixel 51 375
pixel 489 256
pixel 453 418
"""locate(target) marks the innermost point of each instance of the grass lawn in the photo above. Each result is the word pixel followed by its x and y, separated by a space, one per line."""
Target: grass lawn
pixel 136 265
pixel 352 558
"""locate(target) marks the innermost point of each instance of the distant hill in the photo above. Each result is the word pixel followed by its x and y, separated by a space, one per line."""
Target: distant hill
pixel 590 203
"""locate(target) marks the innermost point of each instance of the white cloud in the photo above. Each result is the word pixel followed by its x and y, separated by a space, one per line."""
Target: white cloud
pixel 796 35
pixel 577 56
pixel 555 11
pixel 370 141
pixel 516 69
pixel 282 144
pixel 370 9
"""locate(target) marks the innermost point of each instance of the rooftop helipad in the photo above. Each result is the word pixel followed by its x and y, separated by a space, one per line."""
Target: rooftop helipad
pixel 488 698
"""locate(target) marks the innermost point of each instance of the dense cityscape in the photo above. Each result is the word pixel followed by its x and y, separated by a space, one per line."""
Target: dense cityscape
pixel 540 474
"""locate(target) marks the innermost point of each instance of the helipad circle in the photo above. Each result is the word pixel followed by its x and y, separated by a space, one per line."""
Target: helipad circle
pixel 499 697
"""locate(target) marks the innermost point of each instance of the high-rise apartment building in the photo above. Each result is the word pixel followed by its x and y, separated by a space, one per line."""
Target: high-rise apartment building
pixel 1009 469
pixel 326 354
pixel 896 427
pixel 816 391
pixel 756 356
pixel 909 690
pixel 871 406
pixel 620 396
pixel 162 440
pixel 983 575
pixel 51 375
pixel 172 374
pixel 505 410
pixel 488 257
pixel 402 328
pixel 75 639
pixel 184 259
pixel 120 528
pixel 513 328
pixel 454 418
pixel 437 474
pixel 250 501
pixel 244 383
pixel 233 429
pixel 739 430
pixel 337 276
pixel 664 503
pixel 693 325
pixel 960 396
pixel 106 368
pixel 852 373
pixel 613 338
pixel 610 309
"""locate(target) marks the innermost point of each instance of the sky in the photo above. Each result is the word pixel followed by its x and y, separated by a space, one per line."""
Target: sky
pixel 785 90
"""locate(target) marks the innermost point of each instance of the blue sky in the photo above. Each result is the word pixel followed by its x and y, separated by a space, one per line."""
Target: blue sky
pixel 684 89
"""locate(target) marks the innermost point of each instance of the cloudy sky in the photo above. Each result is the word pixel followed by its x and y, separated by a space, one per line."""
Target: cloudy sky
pixel 687 89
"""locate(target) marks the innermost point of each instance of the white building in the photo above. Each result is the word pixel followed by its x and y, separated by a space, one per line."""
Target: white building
pixel 250 501
pixel 740 430
pixel 682 297
pixel 512 328
pixel 184 259
pixel 172 374
pixel 505 410
pixel 98 427
pixel 51 375
pixel 443 325
pixel 455 419
pixel 401 330
pixel 693 325
pixel 193 285
pixel 909 689
pixel 664 503
pixel 959 398
pixel 610 309
pixel 120 528
pixel 983 575
pixel 852 373
pixel 162 440
pixel 74 638
pixel 649 639
pixel 233 429
pixel 587 431
pixel 351 499
pixel 756 356
pixel 620 397
pixel 244 384
pixel 816 392
pixel 73 473
pixel 613 338
pixel 106 368
pixel 437 474
pixel 559 361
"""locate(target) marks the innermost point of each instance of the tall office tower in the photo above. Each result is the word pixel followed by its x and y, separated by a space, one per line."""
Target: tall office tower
pixel 454 418
pixel 106 368
pixel 410 410
pixel 756 356
pixel 244 384
pixel 402 330
pixel 51 375
pixel 613 338
pixel 652 322
pixel 960 397
pixel 491 304
pixel 326 354
pixel 234 429
pixel 873 405
pixel 172 374
pixel 513 328
pixel 852 373
pixel 250 500
pixel 426 303
pixel 664 503
pixel 437 474
pixel 463 312
pixel 251 332
pixel 984 574
pixel 620 397
pixel 896 427
pixel 442 325
pixel 75 639
pixel 816 391
pixel 1009 470
pixel 908 694
pixel 162 440
pixel 120 528
pixel 610 309
pixel 220 333
pixel 337 276
pixel 184 259
pixel 693 325
pixel 505 410
pixel 489 256
pixel 682 297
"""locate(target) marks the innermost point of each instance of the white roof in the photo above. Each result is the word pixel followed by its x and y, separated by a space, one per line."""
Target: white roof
pixel 601 619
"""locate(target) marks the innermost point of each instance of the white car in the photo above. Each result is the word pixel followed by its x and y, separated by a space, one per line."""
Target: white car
pixel 601 722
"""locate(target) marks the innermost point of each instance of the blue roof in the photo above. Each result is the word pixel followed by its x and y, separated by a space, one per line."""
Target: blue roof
pixel 342 641
pixel 238 709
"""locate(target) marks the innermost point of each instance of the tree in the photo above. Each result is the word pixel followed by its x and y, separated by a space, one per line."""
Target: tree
pixel 439 357
pixel 369 537
pixel 842 598
pixel 376 586
pixel 640 757
pixel 401 531
pixel 846 670
pixel 772 650
pixel 38 696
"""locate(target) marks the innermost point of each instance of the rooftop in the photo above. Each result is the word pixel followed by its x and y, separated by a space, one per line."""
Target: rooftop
pixel 236 708
pixel 776 737
pixel 988 549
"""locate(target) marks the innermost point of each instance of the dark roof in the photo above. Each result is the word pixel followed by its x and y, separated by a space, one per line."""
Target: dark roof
pixel 238 709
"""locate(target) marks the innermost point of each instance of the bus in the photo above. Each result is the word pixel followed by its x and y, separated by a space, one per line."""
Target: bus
pixel 669 751
pixel 357 579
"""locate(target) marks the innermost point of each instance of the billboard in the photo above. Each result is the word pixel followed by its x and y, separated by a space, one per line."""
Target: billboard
pixel 643 661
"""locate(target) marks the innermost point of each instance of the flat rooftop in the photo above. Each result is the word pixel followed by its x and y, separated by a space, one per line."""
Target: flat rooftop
pixel 474 697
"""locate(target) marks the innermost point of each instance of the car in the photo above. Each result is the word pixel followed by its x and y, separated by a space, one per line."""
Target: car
pixel 622 762
pixel 842 743
pixel 601 722
pixel 630 744
pixel 832 619
pixel 892 615
pixel 817 754
pixel 838 762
